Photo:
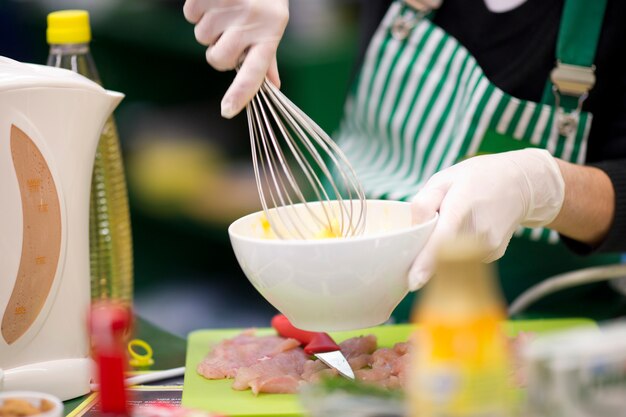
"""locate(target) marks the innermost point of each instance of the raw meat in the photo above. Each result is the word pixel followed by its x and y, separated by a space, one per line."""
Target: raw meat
pixel 314 370
pixel 357 346
pixel 279 374
pixel 273 364
pixel 386 367
pixel 383 367
pixel 243 350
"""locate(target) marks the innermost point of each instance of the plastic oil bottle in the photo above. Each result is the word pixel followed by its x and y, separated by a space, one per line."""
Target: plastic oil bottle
pixel 68 35
pixel 460 367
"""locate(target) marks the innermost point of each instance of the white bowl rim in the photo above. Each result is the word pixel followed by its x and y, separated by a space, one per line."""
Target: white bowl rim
pixel 331 241
pixel 26 395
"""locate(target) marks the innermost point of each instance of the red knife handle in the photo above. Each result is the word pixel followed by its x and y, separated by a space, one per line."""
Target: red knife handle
pixel 313 342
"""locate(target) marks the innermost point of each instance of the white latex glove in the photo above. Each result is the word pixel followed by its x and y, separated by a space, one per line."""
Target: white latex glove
pixel 487 197
pixel 232 28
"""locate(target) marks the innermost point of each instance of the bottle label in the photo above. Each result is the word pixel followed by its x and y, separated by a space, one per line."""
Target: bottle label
pixel 461 370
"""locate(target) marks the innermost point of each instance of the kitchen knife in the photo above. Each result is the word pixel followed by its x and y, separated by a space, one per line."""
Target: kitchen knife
pixel 318 344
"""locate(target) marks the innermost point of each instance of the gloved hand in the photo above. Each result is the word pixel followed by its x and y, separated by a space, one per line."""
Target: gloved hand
pixel 487 197
pixel 232 28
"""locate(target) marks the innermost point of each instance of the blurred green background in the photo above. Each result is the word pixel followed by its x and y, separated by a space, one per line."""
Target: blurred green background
pixel 188 170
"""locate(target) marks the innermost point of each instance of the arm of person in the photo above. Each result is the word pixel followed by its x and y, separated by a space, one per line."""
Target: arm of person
pixel 593 215
pixel 588 205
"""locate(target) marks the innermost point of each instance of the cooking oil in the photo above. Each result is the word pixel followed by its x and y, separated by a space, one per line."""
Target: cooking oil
pixel 109 222
pixel 110 240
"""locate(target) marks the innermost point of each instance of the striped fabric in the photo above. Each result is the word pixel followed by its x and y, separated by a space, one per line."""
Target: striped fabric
pixel 422 103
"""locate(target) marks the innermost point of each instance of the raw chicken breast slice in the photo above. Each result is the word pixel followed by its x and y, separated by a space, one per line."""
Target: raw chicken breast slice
pixel 274 364
pixel 312 367
pixel 245 349
pixel 284 384
pixel 357 346
pixel 360 362
pixel 278 374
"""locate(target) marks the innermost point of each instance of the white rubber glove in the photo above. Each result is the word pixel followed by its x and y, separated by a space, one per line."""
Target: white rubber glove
pixel 232 28
pixel 487 197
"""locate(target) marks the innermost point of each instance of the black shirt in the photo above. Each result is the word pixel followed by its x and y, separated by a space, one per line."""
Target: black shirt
pixel 517 51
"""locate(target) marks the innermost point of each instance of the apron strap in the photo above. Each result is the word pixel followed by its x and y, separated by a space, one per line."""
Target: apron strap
pixel 573 76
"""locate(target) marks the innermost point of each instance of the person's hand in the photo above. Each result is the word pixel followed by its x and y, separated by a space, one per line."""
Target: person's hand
pixel 232 28
pixel 487 197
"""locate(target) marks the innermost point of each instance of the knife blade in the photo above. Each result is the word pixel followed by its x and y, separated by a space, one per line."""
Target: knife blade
pixel 318 344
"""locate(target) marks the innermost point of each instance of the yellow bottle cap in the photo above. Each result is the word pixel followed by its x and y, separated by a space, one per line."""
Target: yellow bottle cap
pixel 68 26
pixel 138 359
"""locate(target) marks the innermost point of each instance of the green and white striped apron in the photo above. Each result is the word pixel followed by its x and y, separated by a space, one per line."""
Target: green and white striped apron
pixel 421 103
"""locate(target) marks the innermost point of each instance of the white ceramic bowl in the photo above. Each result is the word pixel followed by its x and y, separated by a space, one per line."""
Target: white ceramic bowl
pixel 334 284
pixel 34 398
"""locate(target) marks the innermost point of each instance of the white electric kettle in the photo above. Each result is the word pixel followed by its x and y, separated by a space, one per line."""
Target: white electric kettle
pixel 50 123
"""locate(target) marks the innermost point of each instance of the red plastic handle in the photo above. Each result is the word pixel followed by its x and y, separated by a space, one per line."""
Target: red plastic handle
pixel 313 342
pixel 109 325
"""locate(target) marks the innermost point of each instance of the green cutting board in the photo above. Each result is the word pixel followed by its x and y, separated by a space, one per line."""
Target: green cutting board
pixel 217 395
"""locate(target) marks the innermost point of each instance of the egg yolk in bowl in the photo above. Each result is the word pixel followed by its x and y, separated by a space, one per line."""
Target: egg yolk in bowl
pixel 330 231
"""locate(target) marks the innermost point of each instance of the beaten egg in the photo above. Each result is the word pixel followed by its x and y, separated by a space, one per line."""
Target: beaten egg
pixel 331 231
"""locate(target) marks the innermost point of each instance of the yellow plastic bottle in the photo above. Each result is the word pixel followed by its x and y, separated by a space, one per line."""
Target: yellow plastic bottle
pixel 110 241
pixel 460 367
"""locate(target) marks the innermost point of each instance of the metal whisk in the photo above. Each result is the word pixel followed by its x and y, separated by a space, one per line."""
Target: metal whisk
pixel 282 136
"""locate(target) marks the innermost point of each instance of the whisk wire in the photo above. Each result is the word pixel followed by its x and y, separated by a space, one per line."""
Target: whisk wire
pixel 278 189
pixel 260 147
pixel 275 122
pixel 320 137
pixel 278 153
pixel 302 161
